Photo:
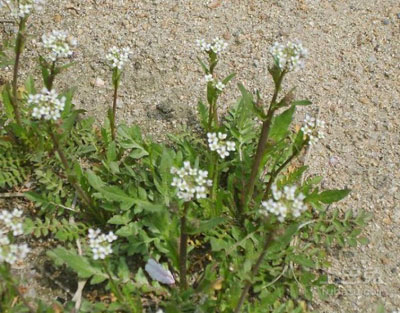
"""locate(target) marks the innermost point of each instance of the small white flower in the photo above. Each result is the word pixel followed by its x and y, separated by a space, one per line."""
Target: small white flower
pixel 58 43
pixel 220 86
pixel 118 57
pixel 10 227
pixel 218 45
pixel 216 143
pixel 208 78
pixel 290 56
pixel 100 244
pixel 21 8
pixel 46 105
pixel 191 182
pixel 159 273
pixel 283 203
pixel 313 129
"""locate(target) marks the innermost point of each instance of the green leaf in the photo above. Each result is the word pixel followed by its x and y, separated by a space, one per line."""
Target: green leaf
pixel 211 93
pixel 30 85
pixel 330 196
pixel 228 78
pixel 281 123
pixel 281 242
pixel 147 207
pixel 203 114
pixel 301 102
pixel 6 97
pixel 128 230
pixel 76 262
pixel 94 180
pixel 116 194
pixel 119 220
pixel 203 66
pixel 205 226
pixel 303 260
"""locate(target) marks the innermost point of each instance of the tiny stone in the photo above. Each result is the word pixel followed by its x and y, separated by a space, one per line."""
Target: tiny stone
pixel 99 82
pixel 385 260
pixel 57 18
pixel 120 104
pixel 398 15
pixel 386 21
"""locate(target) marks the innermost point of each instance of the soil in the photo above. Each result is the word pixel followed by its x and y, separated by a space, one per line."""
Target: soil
pixel 352 76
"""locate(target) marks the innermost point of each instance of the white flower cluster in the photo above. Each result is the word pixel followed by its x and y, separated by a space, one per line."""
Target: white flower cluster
pixel 217 46
pixel 12 221
pixel 290 57
pixel 313 128
pixel 100 243
pixel 11 226
pixel 216 142
pixel 220 86
pixel 209 79
pixel 46 105
pixel 118 57
pixel 284 202
pixel 22 8
pixel 191 182
pixel 59 44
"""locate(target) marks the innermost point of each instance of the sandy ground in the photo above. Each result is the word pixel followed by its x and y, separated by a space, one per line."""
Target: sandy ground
pixel 352 76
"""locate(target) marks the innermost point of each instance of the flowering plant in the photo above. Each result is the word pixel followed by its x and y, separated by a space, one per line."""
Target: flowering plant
pixel 226 211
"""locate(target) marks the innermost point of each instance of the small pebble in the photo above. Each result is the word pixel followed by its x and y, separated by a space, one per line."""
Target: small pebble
pixel 99 82
pixel 386 21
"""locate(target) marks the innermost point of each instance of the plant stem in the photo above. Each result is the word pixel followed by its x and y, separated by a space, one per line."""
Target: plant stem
pixel 214 176
pixel 254 271
pixel 247 192
pixel 19 45
pixel 84 196
pixel 274 174
pixel 183 249
pixel 212 114
pixel 116 288
pixel 52 75
pixel 114 109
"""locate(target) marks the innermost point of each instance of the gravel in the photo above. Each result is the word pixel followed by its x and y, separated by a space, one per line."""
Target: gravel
pixel 352 76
